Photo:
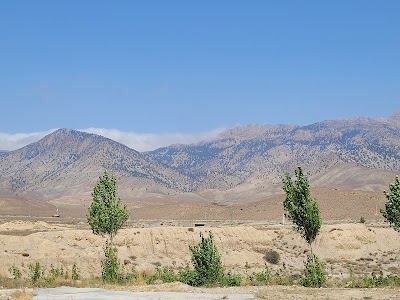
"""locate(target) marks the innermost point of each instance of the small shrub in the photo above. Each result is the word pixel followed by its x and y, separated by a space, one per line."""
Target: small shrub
pixel 260 278
pixel 35 272
pixel 272 257
pixel 231 280
pixel 165 275
pixel 362 220
pixel 15 272
pixel 374 281
pixel 74 275
pixel 314 274
pixel 54 273
pixel 206 261
pixel 131 276
pixel 188 276
pixel 283 279
pixel 111 266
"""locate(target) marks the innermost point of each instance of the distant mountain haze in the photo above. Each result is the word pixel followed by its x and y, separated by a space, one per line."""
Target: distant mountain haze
pixel 243 164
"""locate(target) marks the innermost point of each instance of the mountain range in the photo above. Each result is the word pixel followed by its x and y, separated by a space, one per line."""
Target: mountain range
pixel 243 164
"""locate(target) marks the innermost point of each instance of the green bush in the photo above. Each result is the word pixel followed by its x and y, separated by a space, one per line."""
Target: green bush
pixel 16 273
pixel 206 261
pixel 74 275
pixel 374 281
pixel 54 273
pixel 314 274
pixel 230 280
pixel 260 278
pixel 111 271
pixel 35 272
pixel 188 276
pixel 165 275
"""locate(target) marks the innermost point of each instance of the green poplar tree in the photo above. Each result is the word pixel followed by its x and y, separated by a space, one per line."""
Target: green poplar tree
pixel 106 213
pixel 391 212
pixel 304 212
pixel 300 207
pixel 106 216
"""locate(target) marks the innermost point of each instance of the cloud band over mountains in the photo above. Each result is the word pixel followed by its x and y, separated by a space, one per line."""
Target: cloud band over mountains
pixel 137 141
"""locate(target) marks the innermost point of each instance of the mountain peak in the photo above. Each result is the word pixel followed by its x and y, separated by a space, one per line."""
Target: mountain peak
pixel 395 116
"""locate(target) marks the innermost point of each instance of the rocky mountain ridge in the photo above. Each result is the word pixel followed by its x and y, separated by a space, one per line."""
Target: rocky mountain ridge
pixel 68 162
pixel 268 151
pixel 242 163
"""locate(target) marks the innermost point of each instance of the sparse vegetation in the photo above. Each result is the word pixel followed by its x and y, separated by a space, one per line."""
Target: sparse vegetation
pixel 260 278
pixel 15 272
pixel 162 274
pixel 21 295
pixel 74 273
pixel 35 272
pixel 374 281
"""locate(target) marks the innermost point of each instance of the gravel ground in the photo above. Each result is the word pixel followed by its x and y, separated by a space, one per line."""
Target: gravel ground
pixel 64 293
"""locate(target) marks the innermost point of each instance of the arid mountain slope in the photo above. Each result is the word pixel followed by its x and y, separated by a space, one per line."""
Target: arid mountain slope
pixel 244 164
pixel 68 162
pixel 260 154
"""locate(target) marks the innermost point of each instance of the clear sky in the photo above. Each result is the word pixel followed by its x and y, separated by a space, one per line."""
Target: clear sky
pixel 187 68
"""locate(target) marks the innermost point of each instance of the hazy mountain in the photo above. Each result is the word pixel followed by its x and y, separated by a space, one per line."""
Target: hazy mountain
pixel 68 162
pixel 3 152
pixel 245 163
pixel 262 153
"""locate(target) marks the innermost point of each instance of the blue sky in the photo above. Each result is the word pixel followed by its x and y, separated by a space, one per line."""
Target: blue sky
pixel 168 69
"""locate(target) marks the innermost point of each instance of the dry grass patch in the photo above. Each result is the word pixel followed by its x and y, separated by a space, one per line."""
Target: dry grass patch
pixel 21 295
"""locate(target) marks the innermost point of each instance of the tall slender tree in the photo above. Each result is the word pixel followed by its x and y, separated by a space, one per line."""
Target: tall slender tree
pixel 391 212
pixel 304 212
pixel 300 207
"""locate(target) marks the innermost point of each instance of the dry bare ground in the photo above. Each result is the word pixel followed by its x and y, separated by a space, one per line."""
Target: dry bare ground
pixel 346 248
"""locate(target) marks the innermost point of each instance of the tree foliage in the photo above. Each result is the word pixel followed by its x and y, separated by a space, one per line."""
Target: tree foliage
pixel 106 213
pixel 111 270
pixel 206 261
pixel 300 207
pixel 391 212
pixel 314 274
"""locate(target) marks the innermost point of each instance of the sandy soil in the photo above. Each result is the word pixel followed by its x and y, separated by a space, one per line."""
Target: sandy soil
pixel 335 204
pixel 345 247
pixel 356 248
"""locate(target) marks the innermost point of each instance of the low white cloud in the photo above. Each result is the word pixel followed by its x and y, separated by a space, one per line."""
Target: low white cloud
pixel 138 141
pixel 13 141
pixel 149 141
